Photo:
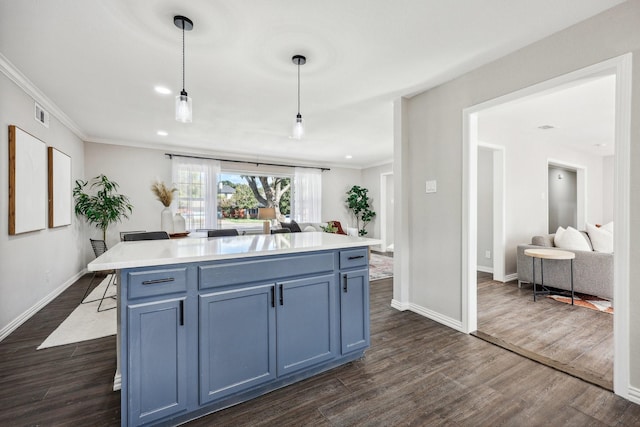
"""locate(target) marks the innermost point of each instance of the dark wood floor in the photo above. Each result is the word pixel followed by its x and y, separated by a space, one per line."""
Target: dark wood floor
pixel 572 338
pixel 417 372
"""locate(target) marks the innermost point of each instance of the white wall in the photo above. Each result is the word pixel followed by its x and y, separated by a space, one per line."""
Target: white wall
pixel 35 266
pixel 526 172
pixel 335 184
pixel 371 181
pixel 434 151
pixel 135 169
pixel 485 209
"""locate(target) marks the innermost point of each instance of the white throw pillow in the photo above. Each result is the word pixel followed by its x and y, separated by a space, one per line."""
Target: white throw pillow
pixel 558 237
pixel 309 228
pixel 601 239
pixel 571 239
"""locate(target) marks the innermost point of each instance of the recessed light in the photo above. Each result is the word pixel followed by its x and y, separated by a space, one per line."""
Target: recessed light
pixel 162 133
pixel 600 145
pixel 162 90
pixel 348 156
pixel 546 127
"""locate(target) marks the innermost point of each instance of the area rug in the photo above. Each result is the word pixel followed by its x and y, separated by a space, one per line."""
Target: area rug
pixel 587 301
pixel 380 267
pixel 85 322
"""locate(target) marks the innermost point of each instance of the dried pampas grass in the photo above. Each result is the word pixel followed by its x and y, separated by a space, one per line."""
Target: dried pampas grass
pixel 163 193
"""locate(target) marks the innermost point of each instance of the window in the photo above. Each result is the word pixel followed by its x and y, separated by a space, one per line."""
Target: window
pixel 240 196
pixel 307 203
pixel 196 181
pixel 208 198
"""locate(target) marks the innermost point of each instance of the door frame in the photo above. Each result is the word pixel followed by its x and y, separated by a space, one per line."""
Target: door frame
pixel 621 66
pixel 383 209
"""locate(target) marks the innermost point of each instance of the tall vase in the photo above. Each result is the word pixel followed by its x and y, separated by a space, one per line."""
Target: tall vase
pixel 179 224
pixel 166 220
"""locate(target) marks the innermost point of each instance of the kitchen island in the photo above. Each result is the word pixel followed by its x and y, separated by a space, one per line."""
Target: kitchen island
pixel 207 323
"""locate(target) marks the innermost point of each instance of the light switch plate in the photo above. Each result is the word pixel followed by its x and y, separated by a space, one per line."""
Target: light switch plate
pixel 431 186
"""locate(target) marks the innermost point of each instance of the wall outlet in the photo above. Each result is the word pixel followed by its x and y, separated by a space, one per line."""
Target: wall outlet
pixel 431 186
pixel 487 254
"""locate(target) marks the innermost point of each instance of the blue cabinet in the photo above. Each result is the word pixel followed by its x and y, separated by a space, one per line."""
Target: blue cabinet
pixel 354 310
pixel 237 340
pixel 307 321
pixel 156 363
pixel 198 337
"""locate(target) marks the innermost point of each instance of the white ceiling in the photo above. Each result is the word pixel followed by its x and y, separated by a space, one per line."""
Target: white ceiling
pixel 582 116
pixel 98 62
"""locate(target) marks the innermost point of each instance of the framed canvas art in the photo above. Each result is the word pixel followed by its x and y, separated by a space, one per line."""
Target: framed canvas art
pixel 59 188
pixel 27 182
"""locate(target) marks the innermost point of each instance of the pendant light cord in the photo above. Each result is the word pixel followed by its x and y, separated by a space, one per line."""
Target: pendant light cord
pixel 183 55
pixel 298 86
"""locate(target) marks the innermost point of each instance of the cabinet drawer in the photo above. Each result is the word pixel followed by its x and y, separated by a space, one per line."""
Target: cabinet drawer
pixel 354 258
pixel 156 282
pixel 261 269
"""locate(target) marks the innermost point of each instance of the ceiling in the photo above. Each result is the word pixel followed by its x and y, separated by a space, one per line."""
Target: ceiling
pixel 579 116
pixel 98 62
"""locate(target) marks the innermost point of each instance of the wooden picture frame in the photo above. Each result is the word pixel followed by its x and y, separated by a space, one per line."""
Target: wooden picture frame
pixel 27 182
pixel 59 188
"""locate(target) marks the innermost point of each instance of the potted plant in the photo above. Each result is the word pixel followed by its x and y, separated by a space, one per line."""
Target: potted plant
pixel 103 208
pixel 165 195
pixel 359 204
pixel 329 228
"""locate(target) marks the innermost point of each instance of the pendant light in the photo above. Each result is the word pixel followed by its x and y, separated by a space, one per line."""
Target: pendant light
pixel 184 107
pixel 298 126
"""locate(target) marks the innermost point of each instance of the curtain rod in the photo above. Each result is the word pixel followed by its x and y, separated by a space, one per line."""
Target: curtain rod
pixel 171 155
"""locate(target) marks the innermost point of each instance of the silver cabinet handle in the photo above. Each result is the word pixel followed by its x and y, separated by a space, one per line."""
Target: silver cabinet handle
pixel 156 281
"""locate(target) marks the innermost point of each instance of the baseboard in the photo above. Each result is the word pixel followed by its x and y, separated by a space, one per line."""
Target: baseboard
pixel 15 323
pixel 484 269
pixel 440 318
pixel 510 277
pixel 117 381
pixel 401 306
pixel 634 395
pixel 430 314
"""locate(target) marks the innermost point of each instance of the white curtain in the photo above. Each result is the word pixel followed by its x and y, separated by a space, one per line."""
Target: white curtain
pixel 307 195
pixel 197 196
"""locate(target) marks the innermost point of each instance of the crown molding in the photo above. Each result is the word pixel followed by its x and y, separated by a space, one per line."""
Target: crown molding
pixel 231 155
pixel 16 76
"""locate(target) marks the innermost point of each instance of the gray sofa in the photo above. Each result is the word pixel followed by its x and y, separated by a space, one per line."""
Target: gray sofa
pixel 592 271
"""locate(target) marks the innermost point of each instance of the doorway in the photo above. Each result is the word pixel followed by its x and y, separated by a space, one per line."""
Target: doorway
pixel 621 68
pixel 491 210
pixel 567 195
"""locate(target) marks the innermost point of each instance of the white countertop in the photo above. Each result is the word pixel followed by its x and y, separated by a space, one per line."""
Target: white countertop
pixel 176 251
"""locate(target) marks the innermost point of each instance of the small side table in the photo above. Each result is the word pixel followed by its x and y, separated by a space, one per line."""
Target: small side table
pixel 543 254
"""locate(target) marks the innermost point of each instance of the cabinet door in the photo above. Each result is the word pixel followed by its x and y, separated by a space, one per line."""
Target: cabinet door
pixel 156 360
pixel 354 310
pixel 307 322
pixel 237 341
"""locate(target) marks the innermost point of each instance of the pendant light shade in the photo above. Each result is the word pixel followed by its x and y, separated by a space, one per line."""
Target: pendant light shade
pixel 298 125
pixel 184 106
